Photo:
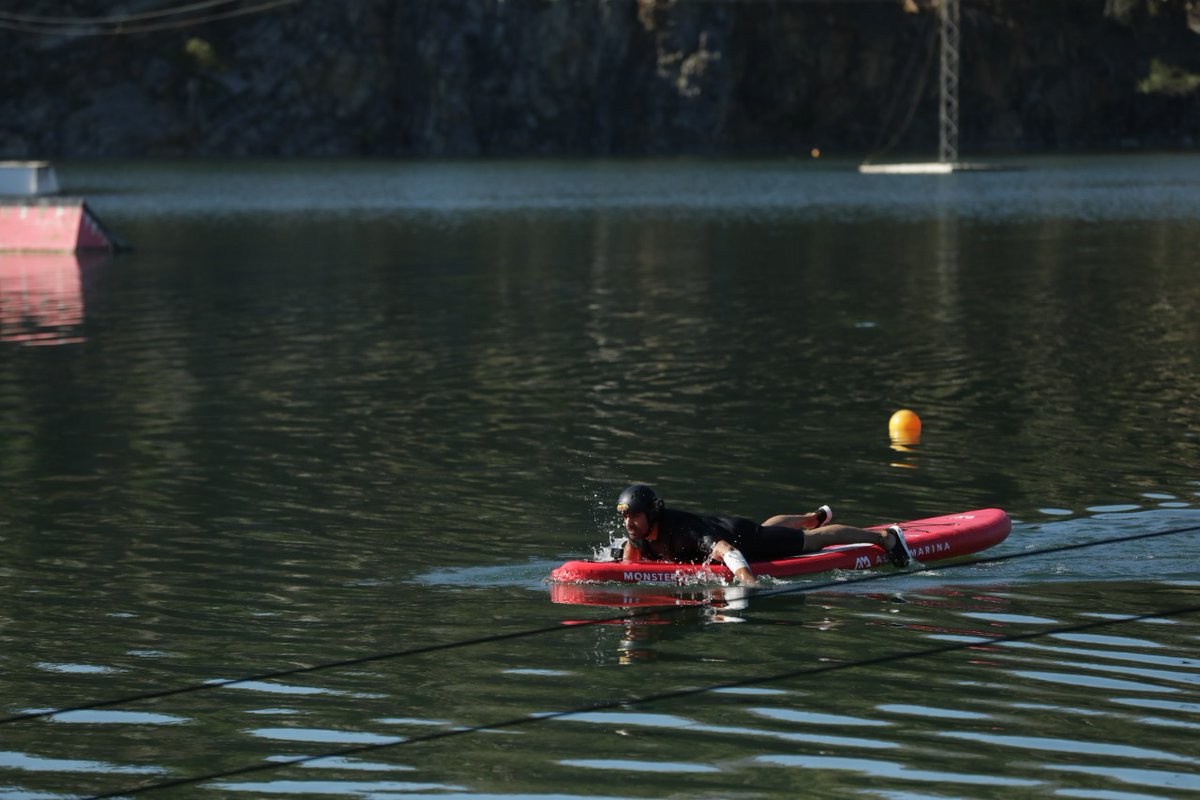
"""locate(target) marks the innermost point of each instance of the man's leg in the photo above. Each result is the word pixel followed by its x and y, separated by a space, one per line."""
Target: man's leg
pixel 844 534
pixel 780 541
pixel 799 521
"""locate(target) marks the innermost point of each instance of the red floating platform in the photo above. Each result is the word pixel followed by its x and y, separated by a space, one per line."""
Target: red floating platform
pixel 52 225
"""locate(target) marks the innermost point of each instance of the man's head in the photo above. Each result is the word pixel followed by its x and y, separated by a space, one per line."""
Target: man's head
pixel 639 506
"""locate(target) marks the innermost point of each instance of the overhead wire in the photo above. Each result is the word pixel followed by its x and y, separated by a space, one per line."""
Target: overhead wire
pixel 561 628
pixel 118 24
pixel 106 27
pixel 880 148
pixel 657 697
pixel 114 19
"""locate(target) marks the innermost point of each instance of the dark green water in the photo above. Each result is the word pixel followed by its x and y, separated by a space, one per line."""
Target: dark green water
pixel 329 410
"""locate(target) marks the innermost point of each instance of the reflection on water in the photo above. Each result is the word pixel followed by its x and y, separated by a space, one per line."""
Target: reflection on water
pixel 42 296
pixel 331 411
pixel 929 722
pixel 999 704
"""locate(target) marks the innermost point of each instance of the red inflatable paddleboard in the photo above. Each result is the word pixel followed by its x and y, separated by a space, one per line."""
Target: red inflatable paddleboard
pixel 929 539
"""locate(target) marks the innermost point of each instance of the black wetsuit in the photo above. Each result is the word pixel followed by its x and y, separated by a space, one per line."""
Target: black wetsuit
pixel 688 538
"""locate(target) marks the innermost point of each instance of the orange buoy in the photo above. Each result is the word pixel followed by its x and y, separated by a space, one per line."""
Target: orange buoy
pixel 905 427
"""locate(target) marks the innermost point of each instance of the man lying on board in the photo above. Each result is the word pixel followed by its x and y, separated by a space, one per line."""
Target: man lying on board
pixel 658 533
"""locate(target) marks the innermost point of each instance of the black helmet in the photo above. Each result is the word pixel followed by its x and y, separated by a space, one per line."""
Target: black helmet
pixel 640 498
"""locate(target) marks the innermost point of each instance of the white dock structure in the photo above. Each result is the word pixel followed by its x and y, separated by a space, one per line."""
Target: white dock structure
pixel 27 178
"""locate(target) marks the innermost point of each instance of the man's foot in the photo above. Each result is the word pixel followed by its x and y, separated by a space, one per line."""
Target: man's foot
pixel 899 552
pixel 824 516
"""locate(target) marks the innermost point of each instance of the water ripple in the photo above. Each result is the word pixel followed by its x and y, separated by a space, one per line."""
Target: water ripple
pixel 1091 682
pixel 1067 746
pixel 891 770
pixel 30 763
pixel 1159 779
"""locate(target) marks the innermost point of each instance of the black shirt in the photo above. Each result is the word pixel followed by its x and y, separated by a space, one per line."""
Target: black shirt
pixel 686 538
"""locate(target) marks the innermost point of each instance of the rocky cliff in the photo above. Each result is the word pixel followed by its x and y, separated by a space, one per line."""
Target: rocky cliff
pixel 588 77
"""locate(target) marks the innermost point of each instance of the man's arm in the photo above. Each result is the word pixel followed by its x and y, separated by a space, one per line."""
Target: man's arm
pixel 735 561
pixel 632 552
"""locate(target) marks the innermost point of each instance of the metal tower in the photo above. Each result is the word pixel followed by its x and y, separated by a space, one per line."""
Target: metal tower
pixel 948 11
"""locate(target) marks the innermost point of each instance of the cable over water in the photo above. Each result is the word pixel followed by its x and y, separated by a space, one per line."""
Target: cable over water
pixel 559 628
pixel 647 699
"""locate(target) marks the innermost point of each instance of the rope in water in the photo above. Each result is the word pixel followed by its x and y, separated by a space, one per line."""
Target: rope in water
pixel 624 702
pixel 560 628
pixel 514 722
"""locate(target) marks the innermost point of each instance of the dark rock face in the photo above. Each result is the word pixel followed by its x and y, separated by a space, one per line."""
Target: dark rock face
pixel 597 77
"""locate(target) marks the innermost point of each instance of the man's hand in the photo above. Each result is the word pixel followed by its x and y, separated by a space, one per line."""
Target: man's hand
pixel 736 563
pixel 745 577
